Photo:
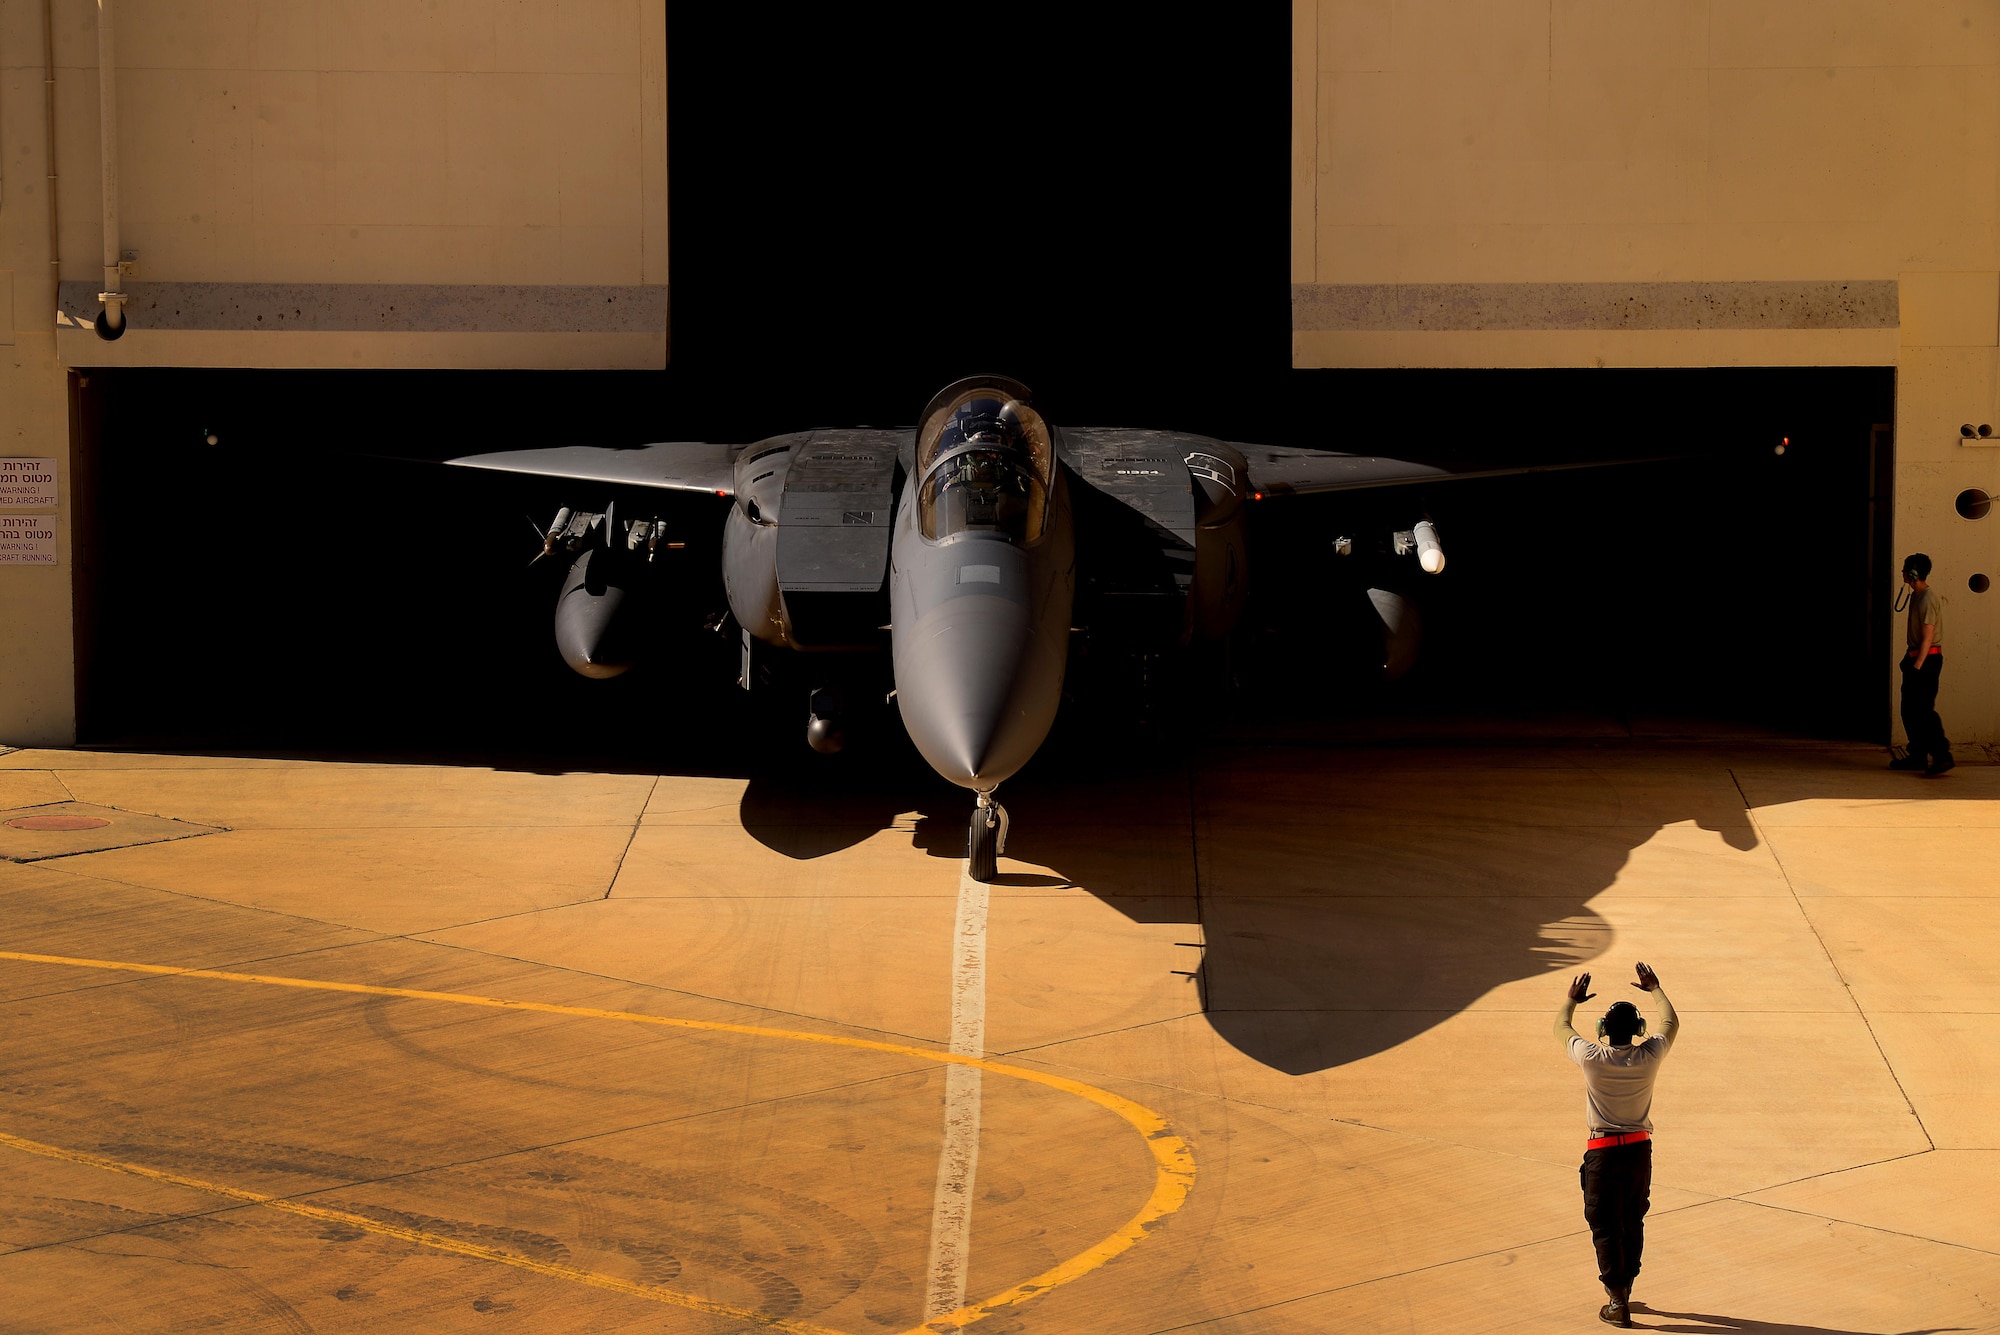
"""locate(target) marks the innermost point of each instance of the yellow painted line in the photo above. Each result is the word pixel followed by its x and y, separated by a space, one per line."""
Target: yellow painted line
pixel 419 1236
pixel 1173 1160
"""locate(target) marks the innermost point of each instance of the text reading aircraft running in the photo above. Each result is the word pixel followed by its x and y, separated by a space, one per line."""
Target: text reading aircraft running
pixel 970 527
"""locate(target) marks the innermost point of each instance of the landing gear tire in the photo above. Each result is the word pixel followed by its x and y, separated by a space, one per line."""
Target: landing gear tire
pixel 982 842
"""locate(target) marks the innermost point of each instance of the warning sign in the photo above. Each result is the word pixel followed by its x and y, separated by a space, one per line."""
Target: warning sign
pixel 27 484
pixel 27 540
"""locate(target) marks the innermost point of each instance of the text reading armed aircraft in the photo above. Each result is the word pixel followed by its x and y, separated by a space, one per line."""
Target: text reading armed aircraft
pixel 963 536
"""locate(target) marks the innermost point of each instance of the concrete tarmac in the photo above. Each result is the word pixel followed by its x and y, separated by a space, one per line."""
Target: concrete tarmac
pixel 1261 1045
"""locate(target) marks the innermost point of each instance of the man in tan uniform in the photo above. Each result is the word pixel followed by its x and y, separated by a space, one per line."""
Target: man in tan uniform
pixel 1617 1172
pixel 1922 665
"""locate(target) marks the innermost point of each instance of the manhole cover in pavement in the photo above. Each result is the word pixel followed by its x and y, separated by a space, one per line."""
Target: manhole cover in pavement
pixel 64 829
pixel 56 823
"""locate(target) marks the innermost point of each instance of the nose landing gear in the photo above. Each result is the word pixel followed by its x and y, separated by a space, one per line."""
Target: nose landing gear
pixel 985 839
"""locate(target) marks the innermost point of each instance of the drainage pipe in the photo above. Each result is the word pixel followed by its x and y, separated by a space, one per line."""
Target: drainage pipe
pixel 110 320
pixel 49 129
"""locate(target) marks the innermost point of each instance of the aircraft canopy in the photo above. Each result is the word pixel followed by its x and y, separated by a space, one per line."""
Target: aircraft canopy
pixel 986 458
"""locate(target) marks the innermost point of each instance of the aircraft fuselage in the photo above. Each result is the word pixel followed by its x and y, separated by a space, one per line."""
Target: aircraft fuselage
pixel 979 629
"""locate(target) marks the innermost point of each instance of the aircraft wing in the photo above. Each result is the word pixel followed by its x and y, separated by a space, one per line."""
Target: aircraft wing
pixel 678 465
pixel 1287 472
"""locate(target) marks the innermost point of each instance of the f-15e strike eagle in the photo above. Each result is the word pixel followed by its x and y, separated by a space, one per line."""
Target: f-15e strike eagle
pixel 969 525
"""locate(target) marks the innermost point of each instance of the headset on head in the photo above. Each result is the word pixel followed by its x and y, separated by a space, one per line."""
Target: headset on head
pixel 1636 1033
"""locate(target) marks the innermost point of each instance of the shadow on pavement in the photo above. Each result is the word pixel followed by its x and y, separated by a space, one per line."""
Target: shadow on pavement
pixel 1733 1325
pixel 1352 900
pixel 1349 899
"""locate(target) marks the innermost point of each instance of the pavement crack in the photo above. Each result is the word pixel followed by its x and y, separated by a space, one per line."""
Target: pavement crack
pixel 1400 1274
pixel 159 1221
pixel 1100 1033
pixel 1745 1196
pixel 1236 1101
pixel 54 866
pixel 1872 1228
pixel 637 821
pixel 677 991
pixel 152 1256
pixel 451 1165
pixel 1750 812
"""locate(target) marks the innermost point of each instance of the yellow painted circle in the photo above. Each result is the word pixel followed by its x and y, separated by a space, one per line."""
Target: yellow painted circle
pixel 1173 1160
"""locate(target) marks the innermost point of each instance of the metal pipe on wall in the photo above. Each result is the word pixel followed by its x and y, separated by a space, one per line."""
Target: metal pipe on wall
pixel 111 320
pixel 49 131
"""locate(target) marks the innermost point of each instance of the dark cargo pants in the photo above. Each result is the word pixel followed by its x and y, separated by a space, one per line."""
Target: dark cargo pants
pixel 1921 723
pixel 1617 1191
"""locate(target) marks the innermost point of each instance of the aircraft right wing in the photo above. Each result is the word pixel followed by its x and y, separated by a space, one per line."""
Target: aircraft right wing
pixel 670 465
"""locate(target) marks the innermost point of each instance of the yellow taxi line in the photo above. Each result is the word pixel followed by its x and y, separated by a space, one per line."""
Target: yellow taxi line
pixel 1173 1160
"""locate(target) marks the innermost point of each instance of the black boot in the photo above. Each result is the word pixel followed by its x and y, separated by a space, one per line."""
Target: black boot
pixel 1617 1312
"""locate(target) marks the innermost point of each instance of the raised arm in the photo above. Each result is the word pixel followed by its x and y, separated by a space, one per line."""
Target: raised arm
pixel 1670 1022
pixel 1579 992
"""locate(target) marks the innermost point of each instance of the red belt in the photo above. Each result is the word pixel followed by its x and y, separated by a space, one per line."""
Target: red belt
pixel 1606 1142
pixel 1934 649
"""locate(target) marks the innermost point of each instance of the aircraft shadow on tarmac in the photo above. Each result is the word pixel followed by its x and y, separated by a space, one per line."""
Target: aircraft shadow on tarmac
pixel 1348 903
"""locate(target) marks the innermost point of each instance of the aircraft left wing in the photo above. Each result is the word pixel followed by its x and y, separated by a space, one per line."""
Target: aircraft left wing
pixel 670 465
pixel 1288 472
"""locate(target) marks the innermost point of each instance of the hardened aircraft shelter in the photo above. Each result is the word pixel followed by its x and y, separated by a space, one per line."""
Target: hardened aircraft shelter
pixel 367 969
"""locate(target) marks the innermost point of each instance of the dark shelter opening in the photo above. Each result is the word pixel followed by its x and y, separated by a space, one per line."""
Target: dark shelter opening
pixel 836 260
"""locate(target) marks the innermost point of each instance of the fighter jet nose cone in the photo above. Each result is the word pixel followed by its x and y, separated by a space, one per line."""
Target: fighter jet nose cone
pixel 966 739
pixel 978 676
pixel 977 693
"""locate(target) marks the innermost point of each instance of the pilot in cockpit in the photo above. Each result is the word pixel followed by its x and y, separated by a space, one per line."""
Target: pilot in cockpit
pixel 979 421
pixel 991 482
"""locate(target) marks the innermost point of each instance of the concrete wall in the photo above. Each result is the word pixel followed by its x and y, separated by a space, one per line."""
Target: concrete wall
pixel 317 183
pixel 37 654
pixel 37 650
pixel 1674 183
pixel 373 182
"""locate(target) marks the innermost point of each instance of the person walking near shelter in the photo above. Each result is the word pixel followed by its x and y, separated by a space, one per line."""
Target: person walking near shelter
pixel 1617 1172
pixel 1922 665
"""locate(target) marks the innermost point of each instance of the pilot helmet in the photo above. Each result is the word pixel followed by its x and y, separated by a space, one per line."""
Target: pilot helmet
pixel 985 420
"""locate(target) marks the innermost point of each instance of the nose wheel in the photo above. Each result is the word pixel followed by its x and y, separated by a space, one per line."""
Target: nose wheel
pixel 985 839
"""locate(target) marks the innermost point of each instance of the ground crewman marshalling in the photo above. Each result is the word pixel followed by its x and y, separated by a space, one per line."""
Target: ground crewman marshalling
pixel 1617 1170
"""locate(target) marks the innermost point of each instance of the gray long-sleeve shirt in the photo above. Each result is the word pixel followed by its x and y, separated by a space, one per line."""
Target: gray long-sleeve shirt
pixel 1618 1078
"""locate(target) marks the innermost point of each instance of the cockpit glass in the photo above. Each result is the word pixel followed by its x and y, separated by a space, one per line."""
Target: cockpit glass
pixel 982 491
pixel 985 460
